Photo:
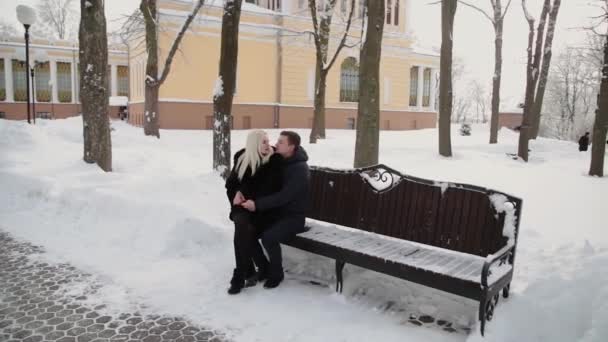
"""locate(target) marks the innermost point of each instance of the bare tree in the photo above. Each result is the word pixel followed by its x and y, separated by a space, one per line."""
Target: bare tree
pixel 544 71
pixel 497 20
pixel 448 12
pixel 59 15
pixel 225 85
pixel 153 79
pixel 93 56
pixel 479 99
pixel 532 70
pixel 571 89
pixel 368 112
pixel 8 30
pixel 461 97
pixel 598 147
pixel 321 20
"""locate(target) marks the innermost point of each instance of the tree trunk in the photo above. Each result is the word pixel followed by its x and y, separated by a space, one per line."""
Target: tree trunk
pixel 368 113
pixel 498 27
pixel 544 72
pixel 448 12
pixel 93 55
pixel 598 147
pixel 151 127
pixel 318 123
pixel 524 133
pixel 225 85
pixel 322 48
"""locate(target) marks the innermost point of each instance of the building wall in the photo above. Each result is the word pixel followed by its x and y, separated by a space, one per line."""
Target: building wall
pixel 18 110
pixel 510 120
pixel 53 53
pixel 184 115
pixel 276 70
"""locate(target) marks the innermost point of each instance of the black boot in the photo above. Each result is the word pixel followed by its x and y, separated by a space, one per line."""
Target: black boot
pixel 236 283
pixel 252 280
pixel 273 282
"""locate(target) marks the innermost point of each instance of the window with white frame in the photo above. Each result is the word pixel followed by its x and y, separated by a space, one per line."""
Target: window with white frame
pixel 396 13
pixel 42 76
pixel 64 82
pixel 426 93
pixel 122 81
pixel 414 86
pixel 19 80
pixel 2 82
pixel 349 80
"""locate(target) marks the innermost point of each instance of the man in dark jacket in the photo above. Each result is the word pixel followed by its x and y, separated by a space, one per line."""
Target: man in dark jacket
pixel 583 142
pixel 292 202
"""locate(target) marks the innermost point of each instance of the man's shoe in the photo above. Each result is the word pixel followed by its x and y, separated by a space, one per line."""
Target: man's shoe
pixel 272 283
pixel 262 275
pixel 236 283
pixel 252 281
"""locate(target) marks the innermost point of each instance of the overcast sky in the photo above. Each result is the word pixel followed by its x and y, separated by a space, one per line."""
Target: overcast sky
pixel 473 36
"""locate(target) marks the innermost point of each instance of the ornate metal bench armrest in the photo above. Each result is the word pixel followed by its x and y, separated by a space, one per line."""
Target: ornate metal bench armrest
pixel 501 256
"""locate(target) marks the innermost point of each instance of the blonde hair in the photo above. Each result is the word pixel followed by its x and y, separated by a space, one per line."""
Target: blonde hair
pixel 252 158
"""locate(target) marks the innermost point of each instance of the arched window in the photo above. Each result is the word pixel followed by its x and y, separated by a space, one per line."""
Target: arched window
pixel 349 80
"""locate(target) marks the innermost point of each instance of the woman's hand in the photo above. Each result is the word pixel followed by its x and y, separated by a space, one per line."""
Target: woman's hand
pixel 249 205
pixel 238 198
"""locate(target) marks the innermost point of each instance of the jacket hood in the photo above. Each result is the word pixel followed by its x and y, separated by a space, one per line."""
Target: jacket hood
pixel 300 155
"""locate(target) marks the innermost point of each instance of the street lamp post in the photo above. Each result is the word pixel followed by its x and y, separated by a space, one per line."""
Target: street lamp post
pixel 33 92
pixel 27 16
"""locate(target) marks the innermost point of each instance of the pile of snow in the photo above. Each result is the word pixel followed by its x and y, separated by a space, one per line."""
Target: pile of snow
pixel 119 101
pixel 155 232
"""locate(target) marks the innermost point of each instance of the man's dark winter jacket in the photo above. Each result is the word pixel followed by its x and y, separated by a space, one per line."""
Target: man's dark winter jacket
pixel 293 198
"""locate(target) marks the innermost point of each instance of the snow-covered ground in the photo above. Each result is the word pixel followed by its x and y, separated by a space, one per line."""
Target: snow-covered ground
pixel 155 232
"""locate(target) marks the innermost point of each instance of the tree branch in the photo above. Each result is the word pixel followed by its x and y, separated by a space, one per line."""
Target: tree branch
pixel 479 10
pixel 178 40
pixel 506 10
pixel 343 41
pixel 312 4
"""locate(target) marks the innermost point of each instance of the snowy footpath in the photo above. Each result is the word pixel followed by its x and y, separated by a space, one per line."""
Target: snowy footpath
pixel 154 237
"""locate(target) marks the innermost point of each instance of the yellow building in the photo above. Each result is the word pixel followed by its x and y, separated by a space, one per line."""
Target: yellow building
pixel 276 68
pixel 55 90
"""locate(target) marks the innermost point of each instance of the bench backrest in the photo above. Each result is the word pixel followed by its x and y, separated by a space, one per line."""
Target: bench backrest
pixel 378 199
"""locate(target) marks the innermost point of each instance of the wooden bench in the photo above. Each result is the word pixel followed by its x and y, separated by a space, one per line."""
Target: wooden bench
pixel 457 238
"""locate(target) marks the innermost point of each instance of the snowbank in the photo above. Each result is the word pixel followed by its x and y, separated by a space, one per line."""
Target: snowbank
pixel 156 232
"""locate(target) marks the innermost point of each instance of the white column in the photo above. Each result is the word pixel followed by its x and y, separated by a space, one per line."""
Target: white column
pixel 54 97
pixel 286 6
pixel 433 92
pixel 8 80
pixel 407 7
pixel 420 86
pixel 73 77
pixel 114 79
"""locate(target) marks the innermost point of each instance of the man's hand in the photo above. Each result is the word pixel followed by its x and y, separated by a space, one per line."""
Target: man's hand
pixel 249 205
pixel 238 198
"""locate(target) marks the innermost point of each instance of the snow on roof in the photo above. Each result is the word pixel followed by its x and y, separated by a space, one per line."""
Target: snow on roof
pixel 246 6
pixel 511 105
pixel 425 51
pixel 119 100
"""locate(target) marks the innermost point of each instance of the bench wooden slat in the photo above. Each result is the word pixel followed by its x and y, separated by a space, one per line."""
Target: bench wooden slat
pixel 427 258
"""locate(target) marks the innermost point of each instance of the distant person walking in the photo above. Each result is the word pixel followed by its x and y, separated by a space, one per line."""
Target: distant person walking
pixel 583 142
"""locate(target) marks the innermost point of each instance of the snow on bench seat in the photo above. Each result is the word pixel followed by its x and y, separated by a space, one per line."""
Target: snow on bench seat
pixel 463 266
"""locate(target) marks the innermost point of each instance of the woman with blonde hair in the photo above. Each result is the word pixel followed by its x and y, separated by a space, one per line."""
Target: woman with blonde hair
pixel 256 173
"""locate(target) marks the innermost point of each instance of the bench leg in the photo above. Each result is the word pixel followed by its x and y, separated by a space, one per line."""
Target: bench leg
pixel 505 291
pixel 486 309
pixel 339 278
